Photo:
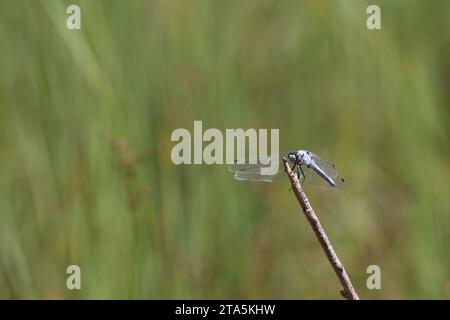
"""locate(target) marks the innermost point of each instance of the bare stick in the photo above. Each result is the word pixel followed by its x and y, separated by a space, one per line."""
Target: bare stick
pixel 348 290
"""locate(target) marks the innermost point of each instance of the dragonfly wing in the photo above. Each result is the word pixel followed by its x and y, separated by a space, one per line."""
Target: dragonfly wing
pixel 311 177
pixel 267 169
pixel 258 177
pixel 240 165
pixel 329 169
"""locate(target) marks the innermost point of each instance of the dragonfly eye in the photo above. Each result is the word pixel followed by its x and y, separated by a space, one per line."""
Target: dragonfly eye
pixel 292 157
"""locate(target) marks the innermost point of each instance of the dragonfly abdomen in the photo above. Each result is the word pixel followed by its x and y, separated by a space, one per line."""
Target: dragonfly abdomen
pixel 323 175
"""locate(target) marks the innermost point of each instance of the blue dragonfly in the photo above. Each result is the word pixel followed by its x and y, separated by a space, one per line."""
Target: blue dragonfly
pixel 306 165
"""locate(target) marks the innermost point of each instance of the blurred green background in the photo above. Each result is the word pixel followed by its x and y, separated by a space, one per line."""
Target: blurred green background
pixel 86 176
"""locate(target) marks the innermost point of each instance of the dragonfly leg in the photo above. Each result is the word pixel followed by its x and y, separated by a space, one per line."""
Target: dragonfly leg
pixel 303 174
pixel 297 172
pixel 293 167
pixel 293 170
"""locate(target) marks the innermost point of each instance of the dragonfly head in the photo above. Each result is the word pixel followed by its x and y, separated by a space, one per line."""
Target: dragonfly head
pixel 292 157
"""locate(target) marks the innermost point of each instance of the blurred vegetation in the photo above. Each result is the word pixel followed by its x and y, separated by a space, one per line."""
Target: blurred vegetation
pixel 85 124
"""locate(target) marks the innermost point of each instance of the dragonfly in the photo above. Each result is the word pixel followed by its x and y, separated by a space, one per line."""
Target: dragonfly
pixel 306 165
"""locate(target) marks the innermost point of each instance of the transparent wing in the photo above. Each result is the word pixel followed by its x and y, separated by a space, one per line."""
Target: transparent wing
pixel 329 169
pixel 264 169
pixel 258 177
pixel 315 179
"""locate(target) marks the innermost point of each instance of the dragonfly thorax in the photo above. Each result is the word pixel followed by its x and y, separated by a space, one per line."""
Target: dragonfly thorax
pixel 300 157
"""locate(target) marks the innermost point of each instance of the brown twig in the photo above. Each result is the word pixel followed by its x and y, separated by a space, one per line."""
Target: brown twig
pixel 348 292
